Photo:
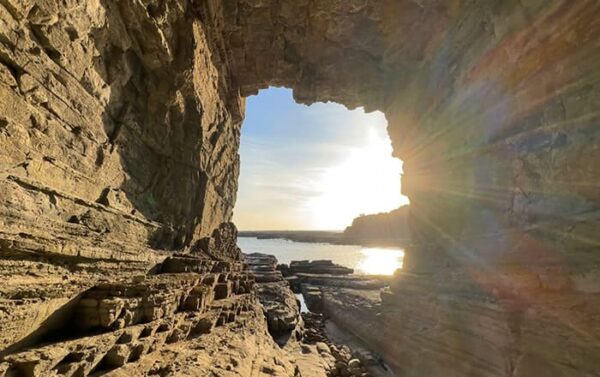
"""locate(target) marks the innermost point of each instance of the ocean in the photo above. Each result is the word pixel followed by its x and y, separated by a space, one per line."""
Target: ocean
pixel 364 260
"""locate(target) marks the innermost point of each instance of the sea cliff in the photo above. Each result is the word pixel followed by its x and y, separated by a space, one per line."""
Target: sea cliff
pixel 119 135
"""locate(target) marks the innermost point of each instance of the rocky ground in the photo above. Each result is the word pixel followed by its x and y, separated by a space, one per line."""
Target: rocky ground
pixel 191 316
pixel 278 300
pixel 291 329
pixel 332 294
pixel 119 137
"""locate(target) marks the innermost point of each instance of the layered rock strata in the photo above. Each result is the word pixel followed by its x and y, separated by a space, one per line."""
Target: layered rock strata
pixel 118 139
pixel 301 274
pixel 276 296
pixel 116 323
pixel 176 321
pixel 345 364
pixel 348 311
pixel 362 282
pixel 491 105
pixel 358 317
pixel 286 325
pixel 119 130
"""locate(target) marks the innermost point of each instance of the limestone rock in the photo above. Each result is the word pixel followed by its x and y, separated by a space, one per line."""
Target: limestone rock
pixel 282 310
pixel 119 136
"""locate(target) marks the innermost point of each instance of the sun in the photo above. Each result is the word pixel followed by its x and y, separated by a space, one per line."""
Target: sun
pixel 367 181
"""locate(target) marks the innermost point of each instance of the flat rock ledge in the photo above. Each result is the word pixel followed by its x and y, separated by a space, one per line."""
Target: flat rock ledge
pixel 321 267
pixel 307 330
pixel 345 309
pixel 274 293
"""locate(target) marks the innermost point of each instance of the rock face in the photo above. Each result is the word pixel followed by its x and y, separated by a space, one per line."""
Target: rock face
pixel 118 139
pixel 108 111
pixel 119 130
pixel 491 107
pixel 274 293
pixel 118 322
pixel 381 228
pixel 489 115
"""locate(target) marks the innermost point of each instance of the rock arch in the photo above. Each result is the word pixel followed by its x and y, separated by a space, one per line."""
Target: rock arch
pixel 490 106
pixel 119 127
pixel 478 97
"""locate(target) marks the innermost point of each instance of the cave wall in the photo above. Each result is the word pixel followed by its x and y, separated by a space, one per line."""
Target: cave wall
pixel 116 121
pixel 119 130
pixel 499 135
pixel 492 105
pixel 118 141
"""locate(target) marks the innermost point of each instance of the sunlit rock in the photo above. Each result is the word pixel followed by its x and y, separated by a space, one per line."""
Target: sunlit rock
pixel 119 131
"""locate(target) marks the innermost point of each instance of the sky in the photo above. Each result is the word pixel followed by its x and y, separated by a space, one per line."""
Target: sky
pixel 312 167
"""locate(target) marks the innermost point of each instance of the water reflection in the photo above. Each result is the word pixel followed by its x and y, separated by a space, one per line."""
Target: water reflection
pixel 364 260
pixel 379 261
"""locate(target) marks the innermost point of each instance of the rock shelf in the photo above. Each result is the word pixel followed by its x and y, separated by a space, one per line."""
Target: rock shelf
pixel 320 267
pixel 120 126
pixel 119 322
pixel 274 293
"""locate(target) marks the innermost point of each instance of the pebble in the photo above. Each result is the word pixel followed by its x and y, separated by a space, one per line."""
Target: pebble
pixel 323 347
pixel 354 363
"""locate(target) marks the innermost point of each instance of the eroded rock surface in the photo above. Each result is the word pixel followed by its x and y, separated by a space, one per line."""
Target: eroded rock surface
pixel 119 131
pixel 118 139
pixel 491 105
pixel 116 323
pixel 276 296
pixel 193 316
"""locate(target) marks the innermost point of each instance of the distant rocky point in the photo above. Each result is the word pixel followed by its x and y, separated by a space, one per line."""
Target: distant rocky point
pixel 386 227
pixel 381 229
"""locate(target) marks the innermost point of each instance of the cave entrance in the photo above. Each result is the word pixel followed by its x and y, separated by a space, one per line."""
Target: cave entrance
pixel 313 167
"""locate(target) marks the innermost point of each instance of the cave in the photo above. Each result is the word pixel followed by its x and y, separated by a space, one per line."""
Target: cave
pixel 119 134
